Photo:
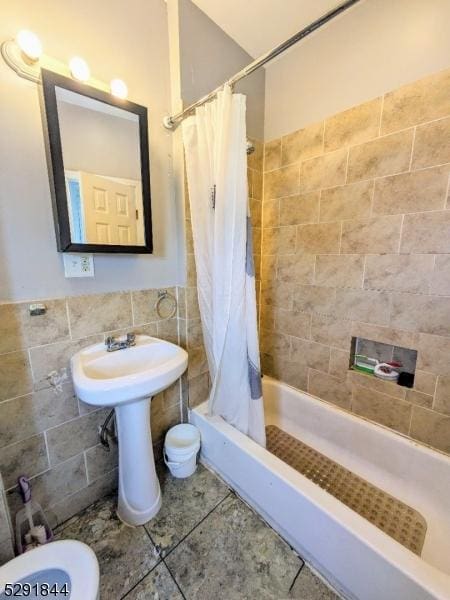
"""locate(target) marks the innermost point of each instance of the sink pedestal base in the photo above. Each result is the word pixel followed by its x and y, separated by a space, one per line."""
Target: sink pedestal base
pixel 139 491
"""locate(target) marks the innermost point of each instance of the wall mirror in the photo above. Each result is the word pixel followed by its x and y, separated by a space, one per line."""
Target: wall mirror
pixel 98 162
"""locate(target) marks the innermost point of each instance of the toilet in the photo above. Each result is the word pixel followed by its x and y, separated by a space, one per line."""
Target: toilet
pixel 65 565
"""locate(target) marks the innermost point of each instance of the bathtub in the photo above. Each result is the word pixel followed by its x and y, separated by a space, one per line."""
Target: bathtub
pixel 354 556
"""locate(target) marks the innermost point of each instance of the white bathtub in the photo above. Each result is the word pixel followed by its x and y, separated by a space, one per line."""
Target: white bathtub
pixel 357 558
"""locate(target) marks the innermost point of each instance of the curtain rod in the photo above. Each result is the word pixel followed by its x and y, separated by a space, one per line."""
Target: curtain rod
pixel 171 121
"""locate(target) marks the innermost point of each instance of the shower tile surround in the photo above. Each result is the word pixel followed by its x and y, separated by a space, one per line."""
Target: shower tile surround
pixel 48 434
pixel 355 243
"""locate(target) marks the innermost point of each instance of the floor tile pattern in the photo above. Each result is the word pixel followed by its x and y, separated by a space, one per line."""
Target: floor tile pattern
pixel 205 543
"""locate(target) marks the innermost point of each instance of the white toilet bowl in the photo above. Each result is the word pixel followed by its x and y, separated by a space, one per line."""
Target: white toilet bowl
pixel 58 563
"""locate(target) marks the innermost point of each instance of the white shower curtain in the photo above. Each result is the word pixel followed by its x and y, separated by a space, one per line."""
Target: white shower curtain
pixel 216 163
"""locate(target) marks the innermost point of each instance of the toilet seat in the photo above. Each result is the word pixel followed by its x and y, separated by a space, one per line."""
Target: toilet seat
pixel 74 558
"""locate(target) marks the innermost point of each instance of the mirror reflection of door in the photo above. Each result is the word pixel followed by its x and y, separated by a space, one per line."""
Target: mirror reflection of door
pixel 100 146
pixel 104 210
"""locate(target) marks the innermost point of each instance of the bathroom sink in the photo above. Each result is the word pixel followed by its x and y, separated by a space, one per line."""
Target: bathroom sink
pixel 126 379
pixel 103 378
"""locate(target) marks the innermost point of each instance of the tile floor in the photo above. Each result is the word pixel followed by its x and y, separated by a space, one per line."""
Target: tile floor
pixel 205 543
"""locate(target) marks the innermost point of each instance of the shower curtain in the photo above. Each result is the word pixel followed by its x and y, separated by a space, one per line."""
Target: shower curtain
pixel 216 163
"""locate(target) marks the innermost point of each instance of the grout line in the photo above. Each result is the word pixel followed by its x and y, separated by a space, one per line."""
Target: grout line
pixel 68 318
pixel 296 576
pixel 401 235
pixel 132 309
pixel 142 578
pixel 412 149
pixel 174 579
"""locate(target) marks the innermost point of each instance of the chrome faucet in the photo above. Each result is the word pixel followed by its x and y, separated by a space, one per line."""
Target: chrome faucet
pixel 112 344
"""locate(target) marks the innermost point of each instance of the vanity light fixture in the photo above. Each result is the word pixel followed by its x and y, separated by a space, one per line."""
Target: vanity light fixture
pixel 30 45
pixel 119 88
pixel 79 68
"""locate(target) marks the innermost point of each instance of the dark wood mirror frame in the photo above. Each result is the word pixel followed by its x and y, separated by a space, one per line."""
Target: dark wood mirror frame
pixel 50 81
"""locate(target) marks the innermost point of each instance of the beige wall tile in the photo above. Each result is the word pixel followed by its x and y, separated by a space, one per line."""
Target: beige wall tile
pixel 424 100
pixel 378 385
pixel 272 155
pixel 255 213
pixel 198 363
pixel 100 461
pixel 275 344
pixel 434 354
pixel 15 375
pixel 303 208
pixel 279 240
pixel 255 159
pixel 198 390
pixel 144 302
pixel 19 330
pixel 440 279
pixel 302 144
pixel 442 398
pixel 386 335
pixel 427 314
pixel 168 330
pixel 57 483
pixel 329 388
pixel 411 192
pixel 324 171
pixel 353 126
pixel 71 438
pixel 54 357
pixel 339 363
pixel 431 428
pixel 316 356
pixel 296 268
pixel 419 398
pixel 313 298
pixel 318 238
pixel 377 235
pixel 388 411
pixel 28 415
pixel 271 213
pixel 28 456
pixel 192 307
pixel 292 322
pixel 339 270
pixel 403 273
pixel 278 293
pixel 425 382
pixel 384 156
pixel 331 331
pixel 100 312
pixel 346 201
pixel 269 267
pixel 432 144
pixel 362 305
pixel 163 416
pixel 194 333
pixel 191 271
pixel 281 182
pixel 257 185
pixel 284 370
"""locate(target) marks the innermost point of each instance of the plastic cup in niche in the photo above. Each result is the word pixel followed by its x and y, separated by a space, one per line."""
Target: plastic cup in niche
pixel 181 446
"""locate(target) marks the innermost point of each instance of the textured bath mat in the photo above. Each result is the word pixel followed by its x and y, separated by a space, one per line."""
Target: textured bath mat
pixel 395 518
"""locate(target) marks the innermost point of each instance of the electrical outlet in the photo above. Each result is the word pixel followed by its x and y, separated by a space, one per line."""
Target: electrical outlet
pixel 78 265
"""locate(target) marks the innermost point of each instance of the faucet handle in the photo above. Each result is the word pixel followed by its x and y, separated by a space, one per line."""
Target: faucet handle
pixel 109 341
pixel 131 339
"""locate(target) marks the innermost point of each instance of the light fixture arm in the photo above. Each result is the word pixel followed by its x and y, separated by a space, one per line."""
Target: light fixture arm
pixel 12 55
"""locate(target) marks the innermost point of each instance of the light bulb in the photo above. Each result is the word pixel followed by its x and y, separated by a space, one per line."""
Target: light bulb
pixel 79 68
pixel 119 88
pixel 30 44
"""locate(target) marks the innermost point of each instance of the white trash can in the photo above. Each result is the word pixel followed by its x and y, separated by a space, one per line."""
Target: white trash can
pixel 181 446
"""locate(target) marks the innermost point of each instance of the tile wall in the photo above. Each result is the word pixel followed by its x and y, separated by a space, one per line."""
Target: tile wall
pixel 356 243
pixel 49 434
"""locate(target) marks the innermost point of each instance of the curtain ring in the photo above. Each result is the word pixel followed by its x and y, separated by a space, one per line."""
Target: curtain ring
pixel 163 295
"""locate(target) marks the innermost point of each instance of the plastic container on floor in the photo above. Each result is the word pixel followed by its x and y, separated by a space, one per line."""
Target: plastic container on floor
pixel 181 446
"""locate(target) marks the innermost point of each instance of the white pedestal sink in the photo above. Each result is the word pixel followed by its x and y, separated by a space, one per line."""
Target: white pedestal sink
pixel 126 380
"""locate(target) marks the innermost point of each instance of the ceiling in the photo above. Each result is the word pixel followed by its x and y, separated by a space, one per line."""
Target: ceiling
pixel 259 25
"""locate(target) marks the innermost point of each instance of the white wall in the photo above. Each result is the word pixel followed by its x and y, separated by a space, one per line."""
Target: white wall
pixel 209 57
pixel 375 47
pixel 118 39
